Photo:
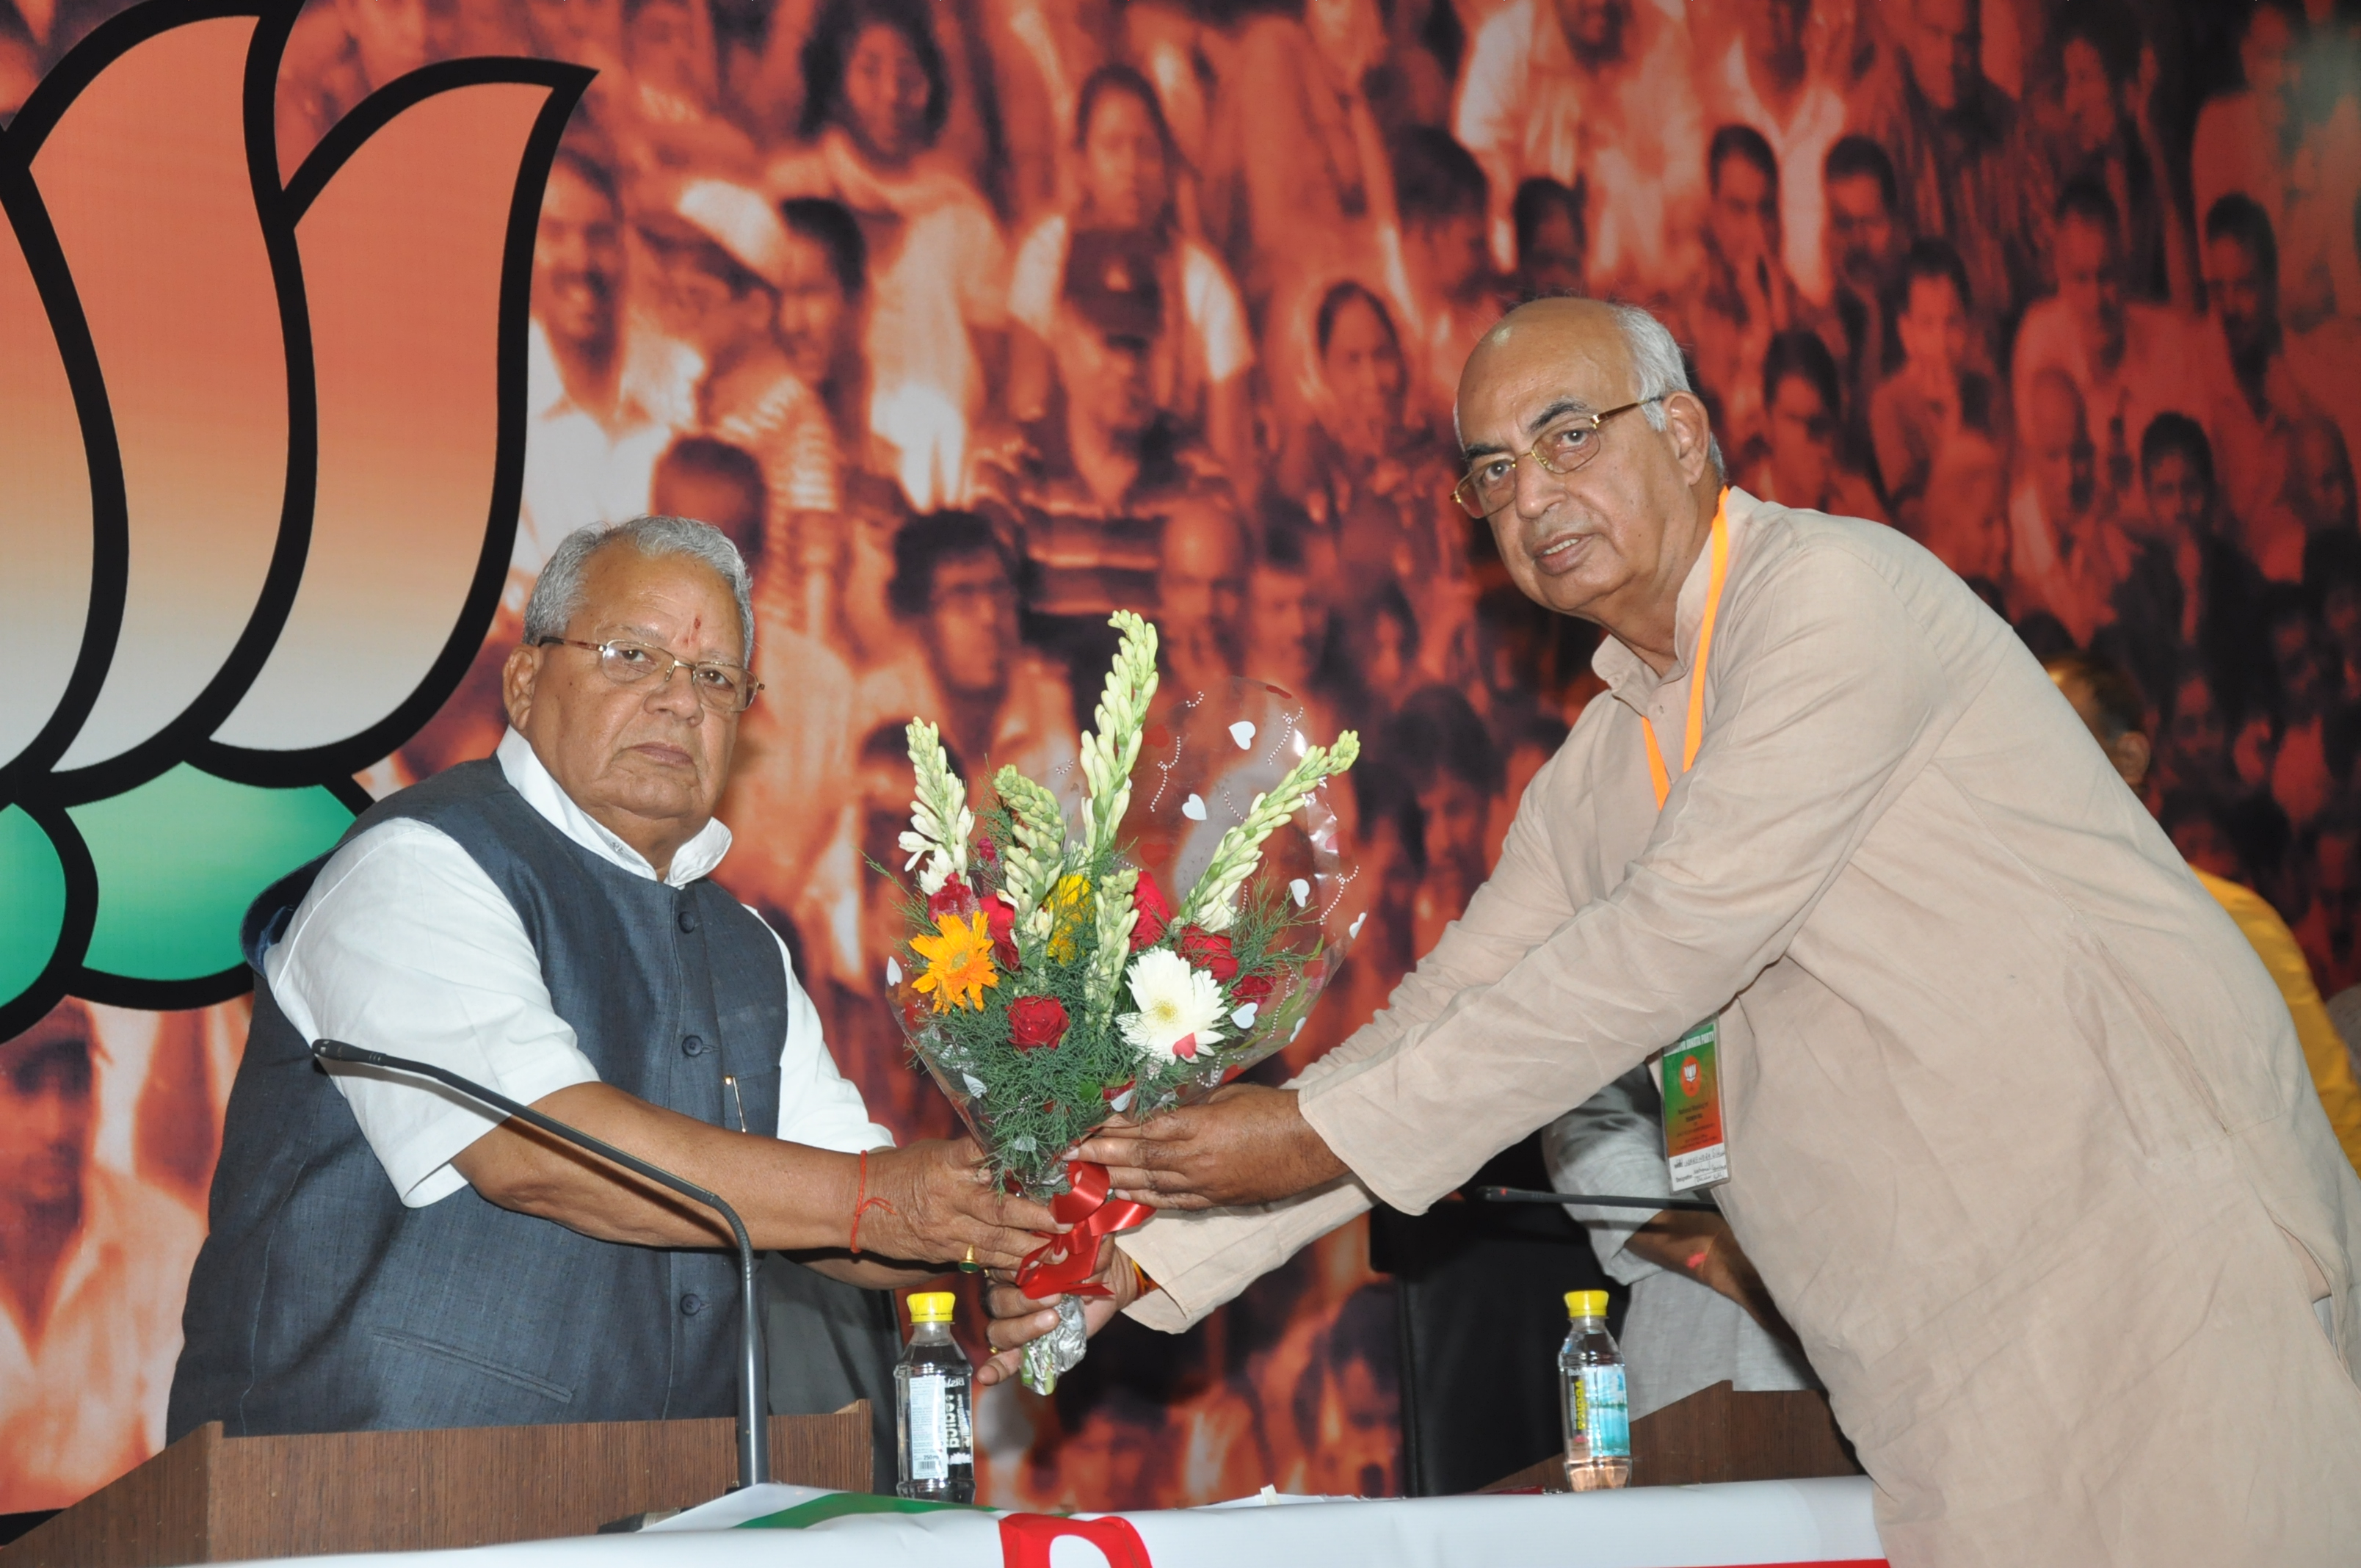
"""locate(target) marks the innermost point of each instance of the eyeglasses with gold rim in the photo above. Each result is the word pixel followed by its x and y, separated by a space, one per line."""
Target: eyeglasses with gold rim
pixel 724 688
pixel 1562 449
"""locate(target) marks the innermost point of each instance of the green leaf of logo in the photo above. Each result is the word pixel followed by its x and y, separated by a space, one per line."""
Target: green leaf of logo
pixel 33 915
pixel 181 857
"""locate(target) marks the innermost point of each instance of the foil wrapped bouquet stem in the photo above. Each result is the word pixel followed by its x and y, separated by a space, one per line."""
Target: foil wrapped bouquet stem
pixel 1050 982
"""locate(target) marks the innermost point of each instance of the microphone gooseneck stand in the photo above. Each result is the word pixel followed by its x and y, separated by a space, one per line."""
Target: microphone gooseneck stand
pixel 753 1432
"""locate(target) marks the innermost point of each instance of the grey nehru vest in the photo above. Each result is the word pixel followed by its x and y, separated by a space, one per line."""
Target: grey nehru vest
pixel 321 1303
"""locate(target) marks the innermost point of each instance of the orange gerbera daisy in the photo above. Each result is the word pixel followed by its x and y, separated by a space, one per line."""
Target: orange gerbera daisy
pixel 958 961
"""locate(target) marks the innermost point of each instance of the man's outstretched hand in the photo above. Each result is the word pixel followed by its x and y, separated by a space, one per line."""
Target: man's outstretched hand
pixel 937 1199
pixel 1017 1318
pixel 1244 1145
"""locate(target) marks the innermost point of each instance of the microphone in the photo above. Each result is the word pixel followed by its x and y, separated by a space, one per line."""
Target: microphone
pixel 753 1432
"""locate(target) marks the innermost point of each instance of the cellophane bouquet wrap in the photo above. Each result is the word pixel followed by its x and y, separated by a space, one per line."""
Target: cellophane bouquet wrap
pixel 1049 982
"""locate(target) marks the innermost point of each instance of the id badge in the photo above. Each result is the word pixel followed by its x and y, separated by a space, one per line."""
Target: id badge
pixel 1690 1076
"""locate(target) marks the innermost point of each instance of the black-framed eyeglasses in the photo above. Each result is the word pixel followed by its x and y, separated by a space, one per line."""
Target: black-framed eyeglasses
pixel 724 688
pixel 1492 482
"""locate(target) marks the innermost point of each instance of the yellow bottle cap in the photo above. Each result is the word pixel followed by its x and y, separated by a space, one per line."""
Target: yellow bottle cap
pixel 1578 1303
pixel 935 1306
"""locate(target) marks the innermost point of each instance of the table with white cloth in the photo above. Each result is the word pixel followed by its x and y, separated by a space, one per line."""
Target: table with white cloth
pixel 1750 1524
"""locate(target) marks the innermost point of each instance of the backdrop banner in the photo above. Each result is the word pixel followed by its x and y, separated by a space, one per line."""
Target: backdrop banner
pixel 973 321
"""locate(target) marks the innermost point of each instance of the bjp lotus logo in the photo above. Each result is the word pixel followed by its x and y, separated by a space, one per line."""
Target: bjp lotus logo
pixel 259 479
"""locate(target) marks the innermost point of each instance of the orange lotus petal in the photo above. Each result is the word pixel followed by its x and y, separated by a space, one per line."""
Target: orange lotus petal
pixel 403 251
pixel 45 507
pixel 146 179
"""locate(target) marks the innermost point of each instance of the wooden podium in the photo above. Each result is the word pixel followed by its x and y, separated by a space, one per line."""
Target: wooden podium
pixel 1718 1434
pixel 210 1498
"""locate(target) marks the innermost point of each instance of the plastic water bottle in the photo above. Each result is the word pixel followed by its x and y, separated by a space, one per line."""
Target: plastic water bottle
pixel 934 1391
pixel 1592 1396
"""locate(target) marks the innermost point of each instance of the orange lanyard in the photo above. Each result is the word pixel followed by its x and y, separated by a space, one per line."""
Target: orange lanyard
pixel 1713 579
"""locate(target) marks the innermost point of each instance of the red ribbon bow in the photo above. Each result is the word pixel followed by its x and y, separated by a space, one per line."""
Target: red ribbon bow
pixel 1064 1263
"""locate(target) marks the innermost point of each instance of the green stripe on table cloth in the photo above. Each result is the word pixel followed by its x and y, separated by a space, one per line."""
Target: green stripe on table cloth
pixel 837 1504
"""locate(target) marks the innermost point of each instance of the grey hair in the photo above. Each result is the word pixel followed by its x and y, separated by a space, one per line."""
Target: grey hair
pixel 557 595
pixel 1656 362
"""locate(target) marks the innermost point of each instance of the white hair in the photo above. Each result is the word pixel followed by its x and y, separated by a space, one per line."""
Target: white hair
pixel 557 595
pixel 1656 365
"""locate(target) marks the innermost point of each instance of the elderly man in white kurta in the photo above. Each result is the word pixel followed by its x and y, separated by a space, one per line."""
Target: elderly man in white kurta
pixel 2019 1134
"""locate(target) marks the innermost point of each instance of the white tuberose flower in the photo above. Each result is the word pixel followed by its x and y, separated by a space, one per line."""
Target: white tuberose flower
pixel 1180 1006
pixel 937 872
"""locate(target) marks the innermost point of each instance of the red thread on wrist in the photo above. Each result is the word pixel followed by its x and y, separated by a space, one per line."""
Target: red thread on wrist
pixel 863 1204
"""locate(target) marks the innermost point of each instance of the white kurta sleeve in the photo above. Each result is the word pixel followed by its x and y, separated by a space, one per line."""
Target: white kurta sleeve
pixel 404 945
pixel 818 1105
pixel 1611 1143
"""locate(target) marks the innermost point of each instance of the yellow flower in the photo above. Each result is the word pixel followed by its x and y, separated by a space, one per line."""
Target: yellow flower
pixel 1070 910
pixel 959 962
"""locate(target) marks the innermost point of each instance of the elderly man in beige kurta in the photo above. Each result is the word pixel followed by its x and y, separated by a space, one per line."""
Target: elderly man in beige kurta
pixel 2019 1133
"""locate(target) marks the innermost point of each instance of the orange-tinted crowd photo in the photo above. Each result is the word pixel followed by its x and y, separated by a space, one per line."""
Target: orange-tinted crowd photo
pixel 973 321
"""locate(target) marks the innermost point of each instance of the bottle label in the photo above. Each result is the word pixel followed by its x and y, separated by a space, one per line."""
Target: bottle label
pixel 929 1455
pixel 1603 1413
pixel 1691 1079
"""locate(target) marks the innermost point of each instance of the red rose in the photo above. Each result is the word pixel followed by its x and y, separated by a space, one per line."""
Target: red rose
pixel 1036 1023
pixel 985 853
pixel 1154 913
pixel 1254 988
pixel 1208 952
pixel 951 898
pixel 1003 921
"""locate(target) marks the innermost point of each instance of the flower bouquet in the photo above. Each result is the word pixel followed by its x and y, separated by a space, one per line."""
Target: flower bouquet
pixel 1050 982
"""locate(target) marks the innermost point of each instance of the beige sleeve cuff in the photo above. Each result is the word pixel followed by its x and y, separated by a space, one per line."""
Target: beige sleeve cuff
pixel 1202 1259
pixel 1358 1114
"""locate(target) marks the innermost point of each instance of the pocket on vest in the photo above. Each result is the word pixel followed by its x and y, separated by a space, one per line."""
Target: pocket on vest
pixel 473 1363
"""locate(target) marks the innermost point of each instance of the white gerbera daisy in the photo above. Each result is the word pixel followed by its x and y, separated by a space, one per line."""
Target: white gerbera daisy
pixel 1180 1006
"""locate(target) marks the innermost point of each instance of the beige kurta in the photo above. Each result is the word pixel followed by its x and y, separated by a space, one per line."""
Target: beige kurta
pixel 2020 1134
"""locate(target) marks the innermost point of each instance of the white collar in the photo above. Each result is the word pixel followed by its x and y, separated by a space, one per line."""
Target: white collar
pixel 527 776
